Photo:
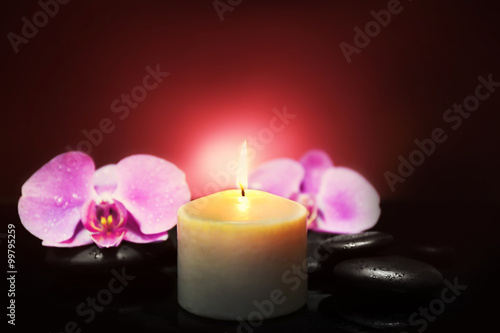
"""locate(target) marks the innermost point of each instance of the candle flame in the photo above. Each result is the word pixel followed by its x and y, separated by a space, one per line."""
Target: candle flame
pixel 242 177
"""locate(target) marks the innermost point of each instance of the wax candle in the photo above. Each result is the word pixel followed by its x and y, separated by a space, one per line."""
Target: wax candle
pixel 242 253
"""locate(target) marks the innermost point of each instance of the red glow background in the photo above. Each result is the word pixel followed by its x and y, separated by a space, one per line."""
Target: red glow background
pixel 227 77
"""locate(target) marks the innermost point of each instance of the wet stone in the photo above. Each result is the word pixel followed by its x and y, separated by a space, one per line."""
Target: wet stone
pixel 348 246
pixel 326 249
pixel 361 243
pixel 75 273
pixel 91 257
pixel 389 274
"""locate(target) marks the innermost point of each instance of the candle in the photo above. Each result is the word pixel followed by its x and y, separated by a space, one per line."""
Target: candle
pixel 242 253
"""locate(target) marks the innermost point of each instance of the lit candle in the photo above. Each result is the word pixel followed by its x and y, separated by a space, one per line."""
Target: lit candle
pixel 242 253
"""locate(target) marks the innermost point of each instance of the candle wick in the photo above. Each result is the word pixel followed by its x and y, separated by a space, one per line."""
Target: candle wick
pixel 242 190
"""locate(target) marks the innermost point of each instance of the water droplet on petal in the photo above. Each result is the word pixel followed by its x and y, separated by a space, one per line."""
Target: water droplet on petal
pixel 59 200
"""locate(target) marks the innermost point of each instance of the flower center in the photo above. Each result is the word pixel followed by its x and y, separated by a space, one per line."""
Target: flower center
pixel 108 216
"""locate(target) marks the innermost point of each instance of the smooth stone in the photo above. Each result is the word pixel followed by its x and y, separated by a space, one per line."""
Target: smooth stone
pixel 91 257
pixel 393 274
pixel 84 270
pixel 329 249
pixel 313 266
pixel 314 298
pixel 315 251
pixel 67 285
pixel 356 244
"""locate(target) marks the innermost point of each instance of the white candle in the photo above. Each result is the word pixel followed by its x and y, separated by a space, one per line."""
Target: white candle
pixel 241 252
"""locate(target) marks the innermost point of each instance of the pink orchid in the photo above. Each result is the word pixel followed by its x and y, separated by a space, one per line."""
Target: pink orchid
pixel 67 203
pixel 339 199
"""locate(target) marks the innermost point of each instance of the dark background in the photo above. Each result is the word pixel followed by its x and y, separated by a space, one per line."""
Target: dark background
pixel 226 78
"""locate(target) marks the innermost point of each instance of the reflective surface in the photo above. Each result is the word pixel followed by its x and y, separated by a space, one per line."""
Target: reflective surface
pixel 133 287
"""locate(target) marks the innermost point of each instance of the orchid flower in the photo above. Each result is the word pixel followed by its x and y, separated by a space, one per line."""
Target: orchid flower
pixel 67 203
pixel 339 199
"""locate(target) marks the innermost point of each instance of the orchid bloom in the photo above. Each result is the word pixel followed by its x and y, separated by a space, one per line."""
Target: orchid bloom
pixel 68 203
pixel 339 199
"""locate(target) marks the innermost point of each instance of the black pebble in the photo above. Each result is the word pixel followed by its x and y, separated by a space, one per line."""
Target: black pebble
pixel 361 243
pixel 91 257
pixel 388 274
pixel 74 273
pixel 329 249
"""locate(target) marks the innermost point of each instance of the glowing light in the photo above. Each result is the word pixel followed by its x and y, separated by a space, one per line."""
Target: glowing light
pixel 242 177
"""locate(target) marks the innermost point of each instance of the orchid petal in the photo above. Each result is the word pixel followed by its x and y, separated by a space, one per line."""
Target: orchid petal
pixel 347 201
pixel 80 237
pixel 135 235
pixel 88 217
pixel 315 162
pixel 109 239
pixel 152 190
pixel 49 207
pixel 105 179
pixel 281 177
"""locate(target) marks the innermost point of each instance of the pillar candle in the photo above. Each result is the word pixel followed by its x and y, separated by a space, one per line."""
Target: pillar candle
pixel 242 254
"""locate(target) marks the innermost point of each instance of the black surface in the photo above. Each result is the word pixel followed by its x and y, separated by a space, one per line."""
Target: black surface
pixel 49 292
